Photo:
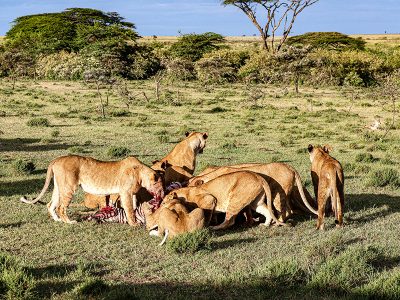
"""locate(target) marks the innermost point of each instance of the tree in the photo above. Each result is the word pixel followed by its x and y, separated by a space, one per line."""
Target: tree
pixel 194 46
pixel 280 18
pixel 69 30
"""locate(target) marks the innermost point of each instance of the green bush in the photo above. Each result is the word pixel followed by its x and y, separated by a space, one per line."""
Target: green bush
pixel 285 274
pixel 120 113
pixel 328 40
pixel 220 66
pixel 15 282
pixel 179 69
pixel 92 286
pixel 118 152
pixel 23 167
pixel 55 133
pixel 351 268
pixel 38 122
pixel 194 46
pixel 383 177
pixel 365 157
pixel 386 286
pixel 190 242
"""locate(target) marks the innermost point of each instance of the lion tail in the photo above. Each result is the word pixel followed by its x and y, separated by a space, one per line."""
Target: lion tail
pixel 303 196
pixel 165 237
pixel 49 175
pixel 268 194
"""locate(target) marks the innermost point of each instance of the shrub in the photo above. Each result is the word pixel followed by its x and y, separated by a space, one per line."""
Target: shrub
pixel 220 66
pixel 92 286
pixel 190 242
pixel 385 286
pixel 76 149
pixel 15 282
pixel 217 109
pixel 383 177
pixel 327 40
pixel 194 46
pixel 285 273
pixel 349 269
pixel 24 167
pixel 365 157
pixel 38 122
pixel 120 113
pixel 118 152
pixel 179 69
pixel 55 133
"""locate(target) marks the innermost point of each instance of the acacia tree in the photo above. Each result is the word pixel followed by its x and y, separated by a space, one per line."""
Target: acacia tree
pixel 280 17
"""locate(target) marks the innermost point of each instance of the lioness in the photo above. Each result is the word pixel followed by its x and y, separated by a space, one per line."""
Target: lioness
pixel 182 158
pixel 328 180
pixel 230 193
pixel 184 154
pixel 280 177
pixel 172 218
pixel 123 177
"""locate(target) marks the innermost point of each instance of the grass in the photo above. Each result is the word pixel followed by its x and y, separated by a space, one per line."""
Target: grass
pixel 114 261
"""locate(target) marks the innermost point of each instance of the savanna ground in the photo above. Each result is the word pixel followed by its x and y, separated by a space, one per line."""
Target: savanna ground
pixel 117 261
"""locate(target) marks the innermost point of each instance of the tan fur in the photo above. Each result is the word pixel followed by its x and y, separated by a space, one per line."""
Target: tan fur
pixel 328 180
pixel 184 154
pixel 173 217
pixel 230 193
pixel 281 179
pixel 123 177
pixel 176 174
pixel 182 159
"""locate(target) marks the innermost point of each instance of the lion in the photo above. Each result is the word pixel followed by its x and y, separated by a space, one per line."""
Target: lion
pixel 124 177
pixel 230 193
pixel 182 160
pixel 328 180
pixel 184 153
pixel 172 218
pixel 281 179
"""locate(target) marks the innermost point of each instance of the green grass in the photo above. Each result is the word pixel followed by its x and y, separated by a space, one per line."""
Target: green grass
pixel 113 261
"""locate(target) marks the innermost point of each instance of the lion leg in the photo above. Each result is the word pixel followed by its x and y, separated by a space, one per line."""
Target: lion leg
pixel 249 216
pixel 323 195
pixel 262 208
pixel 54 203
pixel 62 209
pixel 208 204
pixel 128 203
pixel 229 221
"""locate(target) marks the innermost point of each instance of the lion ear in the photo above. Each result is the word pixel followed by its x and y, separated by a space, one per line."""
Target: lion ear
pixel 327 148
pixel 187 133
pixel 205 135
pixel 198 182
pixel 165 165
pixel 310 148
pixel 174 195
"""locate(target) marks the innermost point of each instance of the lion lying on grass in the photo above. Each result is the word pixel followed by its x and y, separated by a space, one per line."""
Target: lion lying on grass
pixel 230 193
pixel 172 218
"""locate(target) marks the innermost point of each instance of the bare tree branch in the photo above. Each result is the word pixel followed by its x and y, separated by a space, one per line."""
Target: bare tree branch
pixel 277 13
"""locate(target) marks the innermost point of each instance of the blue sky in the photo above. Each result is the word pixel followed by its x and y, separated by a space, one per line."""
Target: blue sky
pixel 160 17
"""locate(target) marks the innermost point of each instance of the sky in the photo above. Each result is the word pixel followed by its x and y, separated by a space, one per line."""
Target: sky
pixel 158 17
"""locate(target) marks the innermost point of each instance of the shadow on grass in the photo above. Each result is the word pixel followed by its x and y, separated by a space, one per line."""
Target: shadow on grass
pixel 359 202
pixel 53 279
pixel 29 145
pixel 23 187
pixel 231 243
pixel 12 225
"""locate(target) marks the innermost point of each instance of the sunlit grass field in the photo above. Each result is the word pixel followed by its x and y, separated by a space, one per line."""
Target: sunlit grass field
pixel 114 261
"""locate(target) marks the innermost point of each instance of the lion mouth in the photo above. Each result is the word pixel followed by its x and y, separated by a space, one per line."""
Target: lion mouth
pixel 201 151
